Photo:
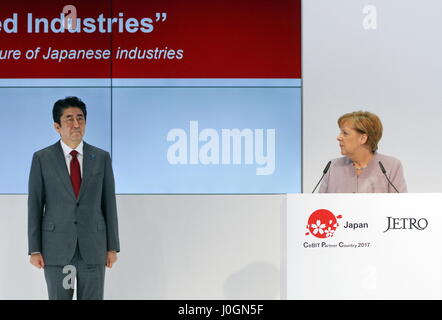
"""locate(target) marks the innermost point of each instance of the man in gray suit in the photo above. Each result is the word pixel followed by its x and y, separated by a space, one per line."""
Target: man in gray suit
pixel 72 213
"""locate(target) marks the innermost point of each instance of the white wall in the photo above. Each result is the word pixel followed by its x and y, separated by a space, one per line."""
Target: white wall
pixel 393 71
pixel 172 247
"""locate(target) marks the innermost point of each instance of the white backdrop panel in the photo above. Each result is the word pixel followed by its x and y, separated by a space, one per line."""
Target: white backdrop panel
pixel 393 71
pixel 172 247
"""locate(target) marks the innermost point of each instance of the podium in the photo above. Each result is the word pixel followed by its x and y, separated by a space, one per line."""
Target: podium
pixel 364 246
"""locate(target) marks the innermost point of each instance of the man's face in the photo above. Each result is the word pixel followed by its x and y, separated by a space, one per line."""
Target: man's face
pixel 72 126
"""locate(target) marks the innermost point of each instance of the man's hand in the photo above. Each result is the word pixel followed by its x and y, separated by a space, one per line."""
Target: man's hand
pixel 111 258
pixel 37 260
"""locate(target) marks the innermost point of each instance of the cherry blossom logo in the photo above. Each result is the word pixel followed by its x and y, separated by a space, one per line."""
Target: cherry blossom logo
pixel 322 224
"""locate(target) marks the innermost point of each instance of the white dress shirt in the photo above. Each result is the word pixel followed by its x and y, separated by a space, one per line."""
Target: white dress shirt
pixel 67 150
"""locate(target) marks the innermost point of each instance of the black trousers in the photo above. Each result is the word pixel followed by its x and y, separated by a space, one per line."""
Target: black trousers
pixel 89 280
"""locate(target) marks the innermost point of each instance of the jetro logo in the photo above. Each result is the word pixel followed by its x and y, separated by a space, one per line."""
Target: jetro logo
pixel 322 224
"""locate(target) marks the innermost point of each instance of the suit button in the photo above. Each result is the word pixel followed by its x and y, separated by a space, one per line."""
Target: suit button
pixel 78 204
pixel 75 222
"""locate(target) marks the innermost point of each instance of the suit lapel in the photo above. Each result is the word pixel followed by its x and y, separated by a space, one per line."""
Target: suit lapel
pixel 88 165
pixel 60 165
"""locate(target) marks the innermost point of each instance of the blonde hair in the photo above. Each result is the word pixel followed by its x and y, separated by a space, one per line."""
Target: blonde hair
pixel 365 123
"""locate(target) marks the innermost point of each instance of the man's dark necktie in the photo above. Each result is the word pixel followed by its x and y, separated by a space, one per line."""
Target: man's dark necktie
pixel 75 173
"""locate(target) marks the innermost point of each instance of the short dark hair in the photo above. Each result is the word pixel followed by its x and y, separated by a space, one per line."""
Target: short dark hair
pixel 63 104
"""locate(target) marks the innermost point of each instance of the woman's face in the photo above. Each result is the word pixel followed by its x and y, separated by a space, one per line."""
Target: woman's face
pixel 350 140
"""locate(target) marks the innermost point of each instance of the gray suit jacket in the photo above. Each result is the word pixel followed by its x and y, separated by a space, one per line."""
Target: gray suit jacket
pixel 57 220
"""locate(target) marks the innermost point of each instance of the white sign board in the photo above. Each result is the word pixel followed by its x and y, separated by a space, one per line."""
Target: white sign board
pixel 364 246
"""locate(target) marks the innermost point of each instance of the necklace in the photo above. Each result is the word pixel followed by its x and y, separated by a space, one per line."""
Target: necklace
pixel 360 168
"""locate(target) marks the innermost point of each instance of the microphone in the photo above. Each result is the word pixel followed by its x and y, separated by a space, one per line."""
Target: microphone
pixel 385 174
pixel 323 174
